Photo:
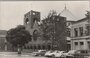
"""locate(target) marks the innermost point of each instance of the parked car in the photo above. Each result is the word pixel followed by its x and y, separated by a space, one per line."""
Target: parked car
pixel 68 54
pixel 55 53
pixel 82 54
pixel 71 53
pixel 39 53
pixel 58 54
pixel 77 54
pixel 49 53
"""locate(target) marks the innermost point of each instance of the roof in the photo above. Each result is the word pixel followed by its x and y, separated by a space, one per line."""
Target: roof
pixel 71 21
pixel 84 19
pixel 81 20
pixel 69 16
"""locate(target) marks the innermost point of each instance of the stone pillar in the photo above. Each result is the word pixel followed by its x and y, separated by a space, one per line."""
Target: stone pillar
pixel 85 44
pixel 78 31
pixel 72 45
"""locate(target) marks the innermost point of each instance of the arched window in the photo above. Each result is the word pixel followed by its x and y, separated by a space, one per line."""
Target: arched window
pixel 35 33
pixel 39 47
pixel 33 21
pixel 27 21
pixel 34 47
pixel 43 46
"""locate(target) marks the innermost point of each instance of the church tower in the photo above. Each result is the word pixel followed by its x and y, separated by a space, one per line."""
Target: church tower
pixel 31 20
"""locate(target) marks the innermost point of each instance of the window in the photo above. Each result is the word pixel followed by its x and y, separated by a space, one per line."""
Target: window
pixel 83 51
pixel 88 30
pixel 30 47
pixel 81 43
pixel 27 21
pixel 68 32
pixel 76 31
pixel 81 31
pixel 89 44
pixel 33 13
pixel 34 47
pixel 43 47
pixel 76 43
pixel 39 47
pixel 35 35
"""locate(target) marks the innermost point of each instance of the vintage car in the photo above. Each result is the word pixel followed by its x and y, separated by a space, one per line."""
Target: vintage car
pixel 49 53
pixel 39 53
pixel 77 54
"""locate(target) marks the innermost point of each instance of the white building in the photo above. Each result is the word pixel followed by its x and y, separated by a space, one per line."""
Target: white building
pixel 78 31
pixel 80 34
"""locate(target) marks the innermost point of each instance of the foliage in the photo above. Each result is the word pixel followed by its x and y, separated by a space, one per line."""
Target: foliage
pixel 18 36
pixel 88 14
pixel 48 25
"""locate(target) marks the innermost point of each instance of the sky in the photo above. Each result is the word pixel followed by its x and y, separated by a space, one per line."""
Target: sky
pixel 12 12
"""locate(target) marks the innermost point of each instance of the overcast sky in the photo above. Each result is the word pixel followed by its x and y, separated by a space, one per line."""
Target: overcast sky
pixel 12 12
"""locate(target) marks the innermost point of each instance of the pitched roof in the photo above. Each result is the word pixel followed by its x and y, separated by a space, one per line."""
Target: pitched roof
pixel 81 20
pixel 66 13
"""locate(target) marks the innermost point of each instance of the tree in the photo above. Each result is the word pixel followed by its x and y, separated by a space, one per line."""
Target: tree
pixel 18 36
pixel 88 14
pixel 54 27
pixel 47 25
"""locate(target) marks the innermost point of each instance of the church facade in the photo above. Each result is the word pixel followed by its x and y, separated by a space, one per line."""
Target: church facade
pixel 31 20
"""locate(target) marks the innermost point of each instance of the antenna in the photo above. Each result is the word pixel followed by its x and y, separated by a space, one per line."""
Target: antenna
pixel 65 7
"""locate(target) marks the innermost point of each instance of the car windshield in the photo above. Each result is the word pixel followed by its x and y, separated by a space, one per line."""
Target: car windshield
pixel 62 51
pixel 41 50
pixel 50 51
pixel 72 51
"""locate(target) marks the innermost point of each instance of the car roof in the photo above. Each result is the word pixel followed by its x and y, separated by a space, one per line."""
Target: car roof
pixel 41 50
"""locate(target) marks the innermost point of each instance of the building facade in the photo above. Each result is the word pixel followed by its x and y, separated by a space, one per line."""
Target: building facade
pixel 2 40
pixel 80 34
pixel 4 45
pixel 31 20
pixel 69 23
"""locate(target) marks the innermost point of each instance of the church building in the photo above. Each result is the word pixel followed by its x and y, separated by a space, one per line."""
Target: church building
pixel 31 20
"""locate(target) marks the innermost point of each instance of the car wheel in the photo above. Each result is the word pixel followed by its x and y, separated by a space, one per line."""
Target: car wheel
pixel 36 55
pixel 42 55
pixel 69 57
pixel 53 56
